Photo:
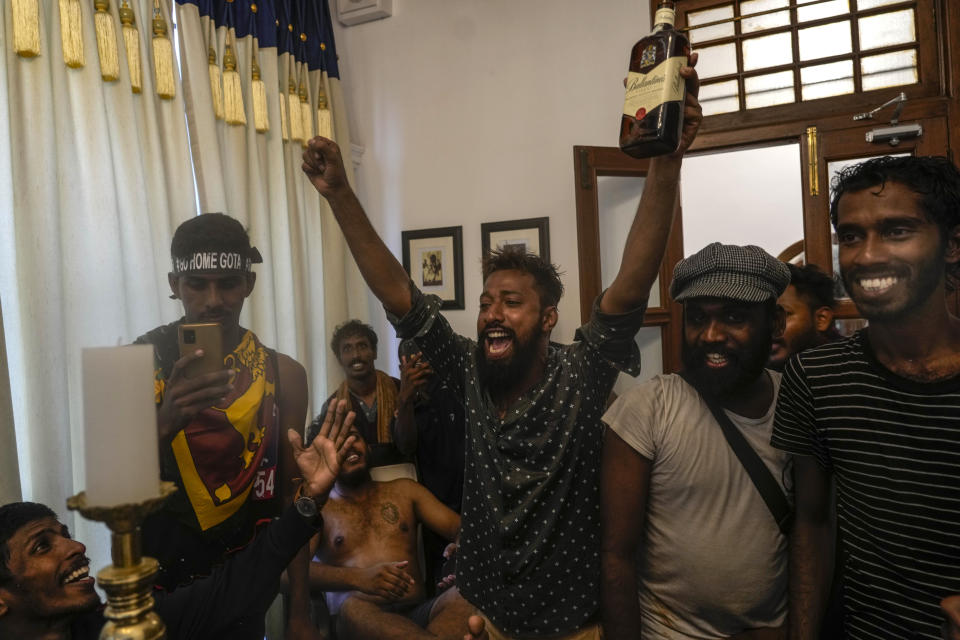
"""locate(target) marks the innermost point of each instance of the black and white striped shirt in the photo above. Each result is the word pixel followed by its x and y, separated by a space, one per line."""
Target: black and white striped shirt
pixel 893 446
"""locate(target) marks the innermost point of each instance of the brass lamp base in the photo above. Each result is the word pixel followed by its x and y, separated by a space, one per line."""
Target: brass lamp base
pixel 129 580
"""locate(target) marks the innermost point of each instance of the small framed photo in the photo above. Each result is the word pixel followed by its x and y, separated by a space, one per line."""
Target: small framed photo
pixel 531 234
pixel 434 260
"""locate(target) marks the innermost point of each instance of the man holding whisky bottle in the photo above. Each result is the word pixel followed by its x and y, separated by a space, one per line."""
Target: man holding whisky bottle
pixel 529 556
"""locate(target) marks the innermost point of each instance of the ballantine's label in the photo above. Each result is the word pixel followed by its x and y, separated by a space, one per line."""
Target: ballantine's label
pixel 647 91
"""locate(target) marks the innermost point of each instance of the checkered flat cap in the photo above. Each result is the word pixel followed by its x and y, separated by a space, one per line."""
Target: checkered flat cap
pixel 729 271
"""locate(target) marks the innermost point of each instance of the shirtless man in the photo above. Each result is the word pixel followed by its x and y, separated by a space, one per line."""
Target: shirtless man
pixel 368 562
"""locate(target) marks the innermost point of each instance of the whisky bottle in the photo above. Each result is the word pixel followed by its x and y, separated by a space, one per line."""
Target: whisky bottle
pixel 652 117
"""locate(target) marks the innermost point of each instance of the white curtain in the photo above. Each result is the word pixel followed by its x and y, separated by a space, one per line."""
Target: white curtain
pixel 93 179
pixel 10 478
pixel 301 291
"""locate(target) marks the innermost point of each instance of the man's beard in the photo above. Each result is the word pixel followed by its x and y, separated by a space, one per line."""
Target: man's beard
pixel 919 282
pixel 354 478
pixel 500 376
pixel 744 365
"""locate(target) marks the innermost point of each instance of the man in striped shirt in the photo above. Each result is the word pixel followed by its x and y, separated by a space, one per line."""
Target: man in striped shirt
pixel 878 415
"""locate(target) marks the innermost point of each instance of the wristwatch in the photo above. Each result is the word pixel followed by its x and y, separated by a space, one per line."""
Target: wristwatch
pixel 307 507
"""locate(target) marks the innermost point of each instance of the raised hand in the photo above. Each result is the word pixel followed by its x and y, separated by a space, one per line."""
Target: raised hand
pixel 184 398
pixel 692 111
pixel 323 165
pixel 387 580
pixel 319 463
pixel 414 373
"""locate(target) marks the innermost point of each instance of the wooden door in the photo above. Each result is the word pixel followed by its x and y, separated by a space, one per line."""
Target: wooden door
pixel 591 163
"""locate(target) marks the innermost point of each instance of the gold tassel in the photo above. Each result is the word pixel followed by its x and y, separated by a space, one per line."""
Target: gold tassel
pixel 232 92
pixel 324 117
pixel 306 113
pixel 71 33
pixel 284 116
pixel 162 56
pixel 106 41
pixel 261 121
pixel 216 86
pixel 26 28
pixel 296 119
pixel 216 82
pixel 131 42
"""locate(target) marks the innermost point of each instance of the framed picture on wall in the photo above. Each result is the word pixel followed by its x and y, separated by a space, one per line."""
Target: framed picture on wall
pixel 434 260
pixel 532 234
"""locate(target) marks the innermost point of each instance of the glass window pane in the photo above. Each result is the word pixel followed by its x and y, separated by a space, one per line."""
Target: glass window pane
pixel 889 70
pixel 717 61
pixel 768 90
pixel 824 10
pixel 870 4
pixel 743 196
pixel 767 51
pixel 720 97
pixel 778 19
pixel 887 29
pixel 617 200
pixel 826 40
pixel 710 15
pixel 824 80
pixel 649 339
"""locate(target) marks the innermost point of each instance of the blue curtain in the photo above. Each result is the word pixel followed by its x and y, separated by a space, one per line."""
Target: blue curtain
pixel 299 27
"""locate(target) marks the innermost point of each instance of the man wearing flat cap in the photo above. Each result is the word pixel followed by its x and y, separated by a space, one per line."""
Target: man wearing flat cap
pixel 221 433
pixel 690 547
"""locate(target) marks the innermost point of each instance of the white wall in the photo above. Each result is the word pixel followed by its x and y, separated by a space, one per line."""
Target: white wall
pixel 468 112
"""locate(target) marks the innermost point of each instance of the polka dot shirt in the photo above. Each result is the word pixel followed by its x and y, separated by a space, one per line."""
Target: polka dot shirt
pixel 529 554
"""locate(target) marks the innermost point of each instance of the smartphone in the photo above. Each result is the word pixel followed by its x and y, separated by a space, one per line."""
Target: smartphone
pixel 206 336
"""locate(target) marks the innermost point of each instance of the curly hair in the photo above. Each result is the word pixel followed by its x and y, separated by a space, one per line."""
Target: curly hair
pixel 935 178
pixel 349 329
pixel 546 276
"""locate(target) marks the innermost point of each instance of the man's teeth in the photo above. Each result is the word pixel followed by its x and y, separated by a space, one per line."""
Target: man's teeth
pixel 77 574
pixel 716 358
pixel 498 346
pixel 877 284
pixel 353 457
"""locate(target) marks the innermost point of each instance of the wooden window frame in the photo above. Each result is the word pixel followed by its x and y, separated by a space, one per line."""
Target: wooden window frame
pixel 932 65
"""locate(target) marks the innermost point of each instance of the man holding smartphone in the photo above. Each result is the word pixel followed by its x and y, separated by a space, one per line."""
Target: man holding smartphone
pixel 220 431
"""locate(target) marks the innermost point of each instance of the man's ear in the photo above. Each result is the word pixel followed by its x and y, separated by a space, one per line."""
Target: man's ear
pixel 823 318
pixel 4 607
pixel 549 319
pixel 779 322
pixel 953 245
pixel 251 281
pixel 174 282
